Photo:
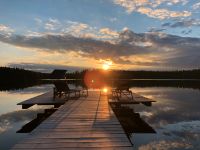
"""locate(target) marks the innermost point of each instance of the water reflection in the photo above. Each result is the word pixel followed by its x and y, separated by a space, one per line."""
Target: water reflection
pixel 9 99
pixel 37 121
pixel 173 105
pixel 131 121
pixel 175 116
pixel 12 121
pixel 7 120
pixel 12 117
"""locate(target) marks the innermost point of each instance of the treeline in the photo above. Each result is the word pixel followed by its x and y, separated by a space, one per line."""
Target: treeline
pixel 183 74
pixel 121 74
pixel 15 78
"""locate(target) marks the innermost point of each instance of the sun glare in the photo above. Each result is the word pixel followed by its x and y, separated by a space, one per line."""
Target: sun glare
pixel 105 90
pixel 106 65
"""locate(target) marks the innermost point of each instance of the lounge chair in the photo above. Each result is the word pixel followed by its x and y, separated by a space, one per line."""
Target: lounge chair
pixel 121 91
pixel 61 89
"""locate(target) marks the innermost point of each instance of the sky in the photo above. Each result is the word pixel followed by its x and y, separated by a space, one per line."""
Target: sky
pixel 44 35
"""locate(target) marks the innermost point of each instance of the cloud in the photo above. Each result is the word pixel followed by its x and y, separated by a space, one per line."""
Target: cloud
pixel 132 5
pixel 153 9
pixel 196 5
pixel 183 23
pixel 86 47
pixel 83 30
pixel 125 47
pixel 162 13
pixel 52 24
pixel 6 30
pixel 108 31
pixel 75 27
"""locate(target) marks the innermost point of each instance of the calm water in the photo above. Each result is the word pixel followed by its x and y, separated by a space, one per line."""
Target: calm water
pixel 12 117
pixel 175 117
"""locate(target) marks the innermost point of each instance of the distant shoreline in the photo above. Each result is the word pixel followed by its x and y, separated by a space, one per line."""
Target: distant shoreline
pixel 129 79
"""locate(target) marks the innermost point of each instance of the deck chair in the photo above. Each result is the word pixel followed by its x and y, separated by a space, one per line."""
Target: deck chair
pixel 61 89
pixel 122 91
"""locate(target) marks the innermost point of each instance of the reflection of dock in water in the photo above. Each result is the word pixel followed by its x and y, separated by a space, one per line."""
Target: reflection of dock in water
pixel 37 121
pixel 131 121
pixel 83 123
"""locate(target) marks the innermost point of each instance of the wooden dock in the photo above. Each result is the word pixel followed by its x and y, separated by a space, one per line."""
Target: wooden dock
pixel 47 99
pixel 136 99
pixel 43 99
pixel 85 123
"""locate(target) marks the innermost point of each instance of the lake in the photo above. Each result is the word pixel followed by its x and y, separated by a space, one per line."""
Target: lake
pixel 175 117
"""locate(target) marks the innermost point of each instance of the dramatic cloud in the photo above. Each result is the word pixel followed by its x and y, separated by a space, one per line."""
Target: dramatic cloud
pixel 125 47
pixel 86 47
pixel 152 8
pixel 183 23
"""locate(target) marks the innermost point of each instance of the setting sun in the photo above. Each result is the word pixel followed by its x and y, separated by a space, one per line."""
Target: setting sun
pixel 105 90
pixel 106 65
